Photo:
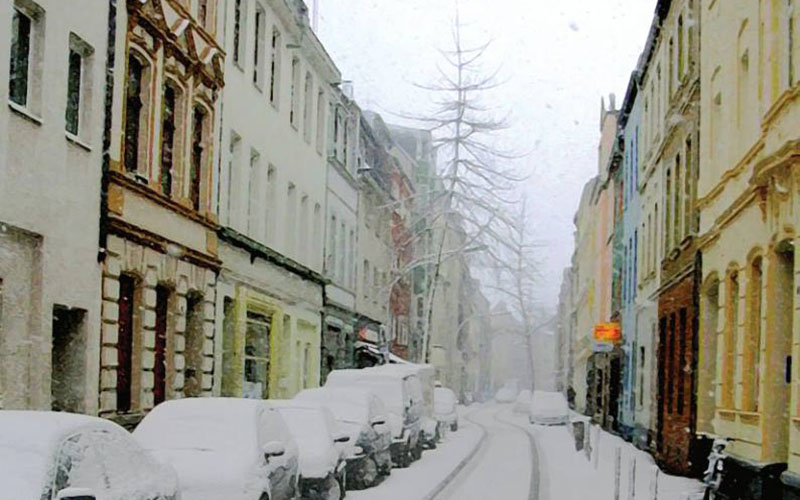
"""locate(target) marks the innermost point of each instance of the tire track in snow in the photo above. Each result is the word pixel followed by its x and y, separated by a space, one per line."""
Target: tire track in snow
pixel 494 463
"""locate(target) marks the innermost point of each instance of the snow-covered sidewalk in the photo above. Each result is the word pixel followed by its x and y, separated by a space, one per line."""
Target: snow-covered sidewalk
pixel 427 475
pixel 614 470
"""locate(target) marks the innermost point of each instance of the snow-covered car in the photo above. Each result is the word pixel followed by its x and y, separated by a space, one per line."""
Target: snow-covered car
pixel 505 395
pixel 523 402
pixel 47 456
pixel 401 393
pixel 444 407
pixel 549 408
pixel 362 415
pixel 323 448
pixel 237 449
pixel 427 379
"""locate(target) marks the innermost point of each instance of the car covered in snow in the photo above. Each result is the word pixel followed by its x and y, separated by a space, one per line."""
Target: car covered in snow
pixel 549 408
pixel 427 380
pixel 523 402
pixel 402 395
pixel 505 395
pixel 48 455
pixel 323 448
pixel 237 449
pixel 362 415
pixel 444 408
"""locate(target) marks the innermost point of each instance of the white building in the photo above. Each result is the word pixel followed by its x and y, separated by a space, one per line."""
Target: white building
pixel 52 83
pixel 341 233
pixel 272 199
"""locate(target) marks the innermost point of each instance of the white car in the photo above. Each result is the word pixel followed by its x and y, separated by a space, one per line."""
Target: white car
pixel 401 393
pixel 237 449
pixel 444 407
pixel 505 395
pixel 322 446
pixel 523 402
pixel 549 408
pixel 48 455
pixel 363 416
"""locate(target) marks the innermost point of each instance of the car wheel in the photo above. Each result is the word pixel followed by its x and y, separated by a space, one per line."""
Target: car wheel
pixel 263 496
pixel 333 490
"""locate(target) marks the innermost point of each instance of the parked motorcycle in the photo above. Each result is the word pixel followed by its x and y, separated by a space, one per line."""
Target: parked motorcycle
pixel 716 464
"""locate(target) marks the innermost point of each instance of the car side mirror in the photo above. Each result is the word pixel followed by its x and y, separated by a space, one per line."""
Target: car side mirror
pixel 76 494
pixel 341 438
pixel 273 449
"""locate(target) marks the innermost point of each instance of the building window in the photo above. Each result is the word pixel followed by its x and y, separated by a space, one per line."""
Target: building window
pixel 330 264
pixel 789 16
pixel 234 162
pixel 275 66
pixel 320 121
pixel 68 362
pixel 303 229
pixel 752 342
pixel 307 366
pixel 136 99
pixel 269 217
pixel 127 291
pixel 254 208
pixel 671 76
pixel 668 213
pixel 689 178
pixel 317 244
pixel 230 363
pixel 291 219
pixel 203 16
pixel 258 49
pixel 295 104
pixel 74 70
pixel 256 356
pixel 168 137
pixel 239 24
pixel 365 280
pixel 641 376
pixel 198 157
pixel 307 107
pixel 160 355
pixel 730 339
pixel 681 358
pixel 25 55
pixel 677 208
pixel 669 352
pixel 193 373
pixel 681 56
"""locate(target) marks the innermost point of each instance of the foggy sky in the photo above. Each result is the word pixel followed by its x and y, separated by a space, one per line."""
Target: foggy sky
pixel 558 58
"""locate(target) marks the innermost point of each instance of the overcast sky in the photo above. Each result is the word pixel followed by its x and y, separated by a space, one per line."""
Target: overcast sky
pixel 558 58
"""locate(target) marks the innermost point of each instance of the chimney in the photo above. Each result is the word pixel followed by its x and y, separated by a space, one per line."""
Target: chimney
pixel 612 102
pixel 347 88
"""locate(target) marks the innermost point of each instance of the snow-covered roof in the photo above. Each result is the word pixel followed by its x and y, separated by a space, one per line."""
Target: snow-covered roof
pixel 313 428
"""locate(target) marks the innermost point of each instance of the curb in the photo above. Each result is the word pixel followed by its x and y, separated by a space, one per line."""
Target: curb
pixel 466 460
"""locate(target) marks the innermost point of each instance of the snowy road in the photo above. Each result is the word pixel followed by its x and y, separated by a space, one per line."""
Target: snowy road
pixel 503 467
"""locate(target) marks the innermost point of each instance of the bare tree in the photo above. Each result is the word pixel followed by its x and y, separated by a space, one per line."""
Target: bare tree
pixel 475 181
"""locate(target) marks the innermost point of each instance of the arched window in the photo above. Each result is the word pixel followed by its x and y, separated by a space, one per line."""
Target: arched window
pixel 170 136
pixel 137 100
pixel 199 119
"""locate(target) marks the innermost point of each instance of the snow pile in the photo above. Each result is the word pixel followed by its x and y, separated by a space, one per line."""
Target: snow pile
pixel 613 469
pixel 348 404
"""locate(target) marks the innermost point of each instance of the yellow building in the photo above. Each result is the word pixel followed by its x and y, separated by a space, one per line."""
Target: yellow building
pixel 748 196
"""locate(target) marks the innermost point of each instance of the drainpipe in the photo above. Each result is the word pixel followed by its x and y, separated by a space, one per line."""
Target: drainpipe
pixel 108 106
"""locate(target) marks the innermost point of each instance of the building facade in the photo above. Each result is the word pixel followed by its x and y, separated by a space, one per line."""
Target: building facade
pixel 674 148
pixel 275 129
pixel 747 195
pixel 52 67
pixel 158 240
pixel 341 257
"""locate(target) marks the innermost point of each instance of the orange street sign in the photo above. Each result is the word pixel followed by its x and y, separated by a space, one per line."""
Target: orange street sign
pixel 607 332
